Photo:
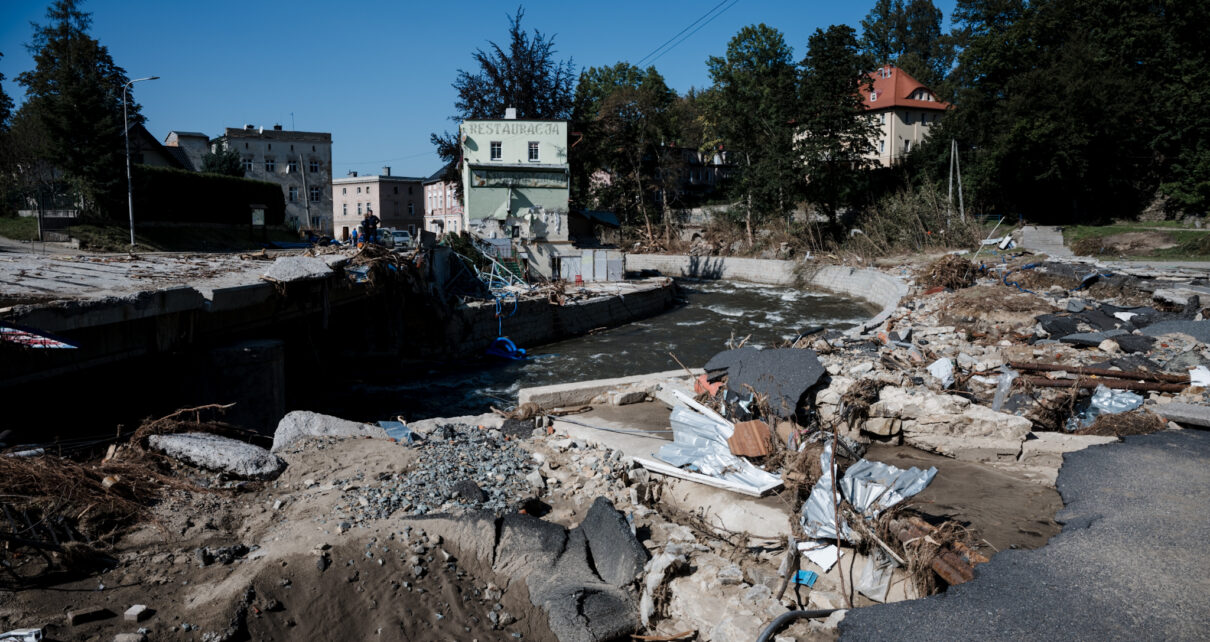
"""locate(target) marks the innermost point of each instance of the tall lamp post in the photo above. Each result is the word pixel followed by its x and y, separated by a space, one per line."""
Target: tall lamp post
pixel 126 133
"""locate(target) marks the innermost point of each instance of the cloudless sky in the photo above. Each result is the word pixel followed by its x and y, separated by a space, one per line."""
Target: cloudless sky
pixel 377 75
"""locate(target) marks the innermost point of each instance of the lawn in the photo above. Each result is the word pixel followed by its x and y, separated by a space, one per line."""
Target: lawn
pixel 19 228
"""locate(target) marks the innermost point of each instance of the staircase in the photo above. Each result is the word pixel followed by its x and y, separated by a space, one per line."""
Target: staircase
pixel 513 266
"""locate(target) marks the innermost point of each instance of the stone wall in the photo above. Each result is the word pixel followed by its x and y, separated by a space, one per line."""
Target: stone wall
pixel 863 283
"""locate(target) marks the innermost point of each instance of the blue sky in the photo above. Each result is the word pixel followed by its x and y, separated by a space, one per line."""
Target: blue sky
pixel 377 74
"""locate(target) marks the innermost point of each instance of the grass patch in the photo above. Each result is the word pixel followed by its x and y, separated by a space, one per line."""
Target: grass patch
pixel 19 228
pixel 1142 241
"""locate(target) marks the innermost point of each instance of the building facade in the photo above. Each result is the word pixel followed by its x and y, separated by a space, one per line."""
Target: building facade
pixel 188 147
pixel 398 201
pixel 515 178
pixel 905 111
pixel 301 162
pixel 443 211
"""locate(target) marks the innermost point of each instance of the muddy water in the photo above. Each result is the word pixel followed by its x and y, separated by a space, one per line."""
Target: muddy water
pixel 714 312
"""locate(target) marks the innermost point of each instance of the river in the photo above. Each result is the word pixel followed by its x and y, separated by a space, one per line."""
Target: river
pixel 713 313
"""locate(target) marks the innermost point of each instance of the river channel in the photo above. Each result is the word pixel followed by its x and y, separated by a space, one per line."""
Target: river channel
pixel 712 314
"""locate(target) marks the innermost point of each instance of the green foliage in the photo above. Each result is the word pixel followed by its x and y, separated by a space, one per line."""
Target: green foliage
pixel 908 35
pixel 525 76
pixel 835 133
pixel 75 90
pixel 751 108
pixel 223 161
pixel 1079 110
pixel 19 228
pixel 179 196
pixel 6 104
pixel 911 221
pixel 626 116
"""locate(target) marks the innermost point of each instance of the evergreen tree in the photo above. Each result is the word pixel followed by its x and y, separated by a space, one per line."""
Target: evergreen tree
pixel 909 35
pixel 75 90
pixel 525 76
pixel 835 133
pixel 223 161
pixel 752 106
pixel 6 103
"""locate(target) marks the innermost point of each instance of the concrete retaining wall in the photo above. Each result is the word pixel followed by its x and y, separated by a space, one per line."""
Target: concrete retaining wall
pixel 862 283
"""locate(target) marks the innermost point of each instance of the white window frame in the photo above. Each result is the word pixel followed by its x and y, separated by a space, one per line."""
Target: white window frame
pixel 316 194
pixel 534 151
pixel 314 167
pixel 292 167
pixel 270 166
pixel 293 194
pixel 496 150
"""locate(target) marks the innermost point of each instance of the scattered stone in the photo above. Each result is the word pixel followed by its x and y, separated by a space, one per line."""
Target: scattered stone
pixel 81 616
pixel 535 479
pixel 221 454
pixel 731 575
pixel 136 613
pixel 221 555
pixel 130 637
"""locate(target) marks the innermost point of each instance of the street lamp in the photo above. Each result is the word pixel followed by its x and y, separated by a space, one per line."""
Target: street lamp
pixel 126 133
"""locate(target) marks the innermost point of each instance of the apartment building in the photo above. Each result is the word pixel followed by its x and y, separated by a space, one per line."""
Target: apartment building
pixel 442 206
pixel 905 111
pixel 301 162
pixel 398 201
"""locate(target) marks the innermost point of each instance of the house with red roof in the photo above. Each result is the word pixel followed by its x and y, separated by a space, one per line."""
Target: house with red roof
pixel 905 111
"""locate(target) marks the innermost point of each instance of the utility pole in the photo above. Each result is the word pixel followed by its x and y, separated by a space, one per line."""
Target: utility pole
pixel 955 167
pixel 126 132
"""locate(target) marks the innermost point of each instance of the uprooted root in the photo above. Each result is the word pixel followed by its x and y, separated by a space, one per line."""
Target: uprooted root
pixel 1126 423
pixel 950 271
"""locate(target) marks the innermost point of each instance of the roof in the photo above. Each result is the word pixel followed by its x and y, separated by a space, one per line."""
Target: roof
pixel 608 219
pixel 892 88
pixel 371 178
pixel 438 175
pixel 181 157
pixel 194 134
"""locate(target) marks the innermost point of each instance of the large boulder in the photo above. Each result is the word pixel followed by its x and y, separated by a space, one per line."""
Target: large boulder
pixel 302 424
pixel 221 454
pixel 617 555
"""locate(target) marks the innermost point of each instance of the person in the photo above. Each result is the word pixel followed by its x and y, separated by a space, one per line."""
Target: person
pixel 355 235
pixel 370 223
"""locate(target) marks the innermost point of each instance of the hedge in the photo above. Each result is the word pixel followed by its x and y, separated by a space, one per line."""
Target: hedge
pixel 178 196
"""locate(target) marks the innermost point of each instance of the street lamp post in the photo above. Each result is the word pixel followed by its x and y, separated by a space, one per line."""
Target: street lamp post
pixel 126 133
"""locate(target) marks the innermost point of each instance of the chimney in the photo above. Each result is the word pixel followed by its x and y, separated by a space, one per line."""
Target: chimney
pixel 352 174
pixel 386 171
pixel 277 128
pixel 249 127
pixel 510 113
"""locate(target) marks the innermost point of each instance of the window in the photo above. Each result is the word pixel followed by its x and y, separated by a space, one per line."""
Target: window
pixel 409 190
pixel 314 221
pixel 344 190
pixel 367 189
pixel 907 146
pixel 344 209
pixel 358 190
pixel 270 165
pixel 907 118
pixel 293 194
pixel 497 152
pixel 533 151
pixel 247 165
pixel 292 167
pixel 411 209
pixel 314 168
pixel 315 194
pixel 411 230
pixel 883 118
pixel 882 146
pixel 269 146
pixel 359 209
pixel 396 189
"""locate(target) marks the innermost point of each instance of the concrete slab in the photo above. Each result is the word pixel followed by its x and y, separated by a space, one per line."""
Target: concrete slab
pixel 1184 413
pixel 1199 330
pixel 301 424
pixel 287 269
pixel 221 454
pixel 581 393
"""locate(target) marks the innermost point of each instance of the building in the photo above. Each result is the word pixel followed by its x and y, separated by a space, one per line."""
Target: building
pixel 905 111
pixel 443 212
pixel 398 201
pixel 188 147
pixel 146 149
pixel 301 162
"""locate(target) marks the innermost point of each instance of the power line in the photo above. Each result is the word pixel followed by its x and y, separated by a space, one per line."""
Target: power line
pixel 690 34
pixel 687 28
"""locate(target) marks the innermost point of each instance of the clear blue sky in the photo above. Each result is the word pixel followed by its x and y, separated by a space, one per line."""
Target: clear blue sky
pixel 377 74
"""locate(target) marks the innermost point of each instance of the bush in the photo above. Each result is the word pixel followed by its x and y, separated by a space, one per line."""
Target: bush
pixel 179 196
pixel 911 221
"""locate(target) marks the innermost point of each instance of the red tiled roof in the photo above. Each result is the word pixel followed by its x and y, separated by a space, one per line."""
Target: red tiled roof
pixel 893 91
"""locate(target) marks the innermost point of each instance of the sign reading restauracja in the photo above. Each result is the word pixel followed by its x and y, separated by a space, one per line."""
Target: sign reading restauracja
pixel 515 173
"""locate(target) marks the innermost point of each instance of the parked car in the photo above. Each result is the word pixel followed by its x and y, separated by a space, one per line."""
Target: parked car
pixel 401 238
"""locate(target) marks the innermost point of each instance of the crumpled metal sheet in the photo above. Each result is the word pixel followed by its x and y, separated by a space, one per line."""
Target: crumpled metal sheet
pixel 870 486
pixel 700 443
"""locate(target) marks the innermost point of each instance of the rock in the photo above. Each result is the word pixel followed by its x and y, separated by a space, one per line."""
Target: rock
pixel 618 555
pixel 535 480
pixel 136 613
pixel 731 575
pixel 287 269
pixel 1057 326
pixel 672 560
pixel 221 454
pixel 626 397
pixel 1091 339
pixel 1185 413
pixel 301 424
pixel 1199 330
pixel 130 637
pixel 883 426
pixel 1132 343
pixel 1109 346
pixel 470 491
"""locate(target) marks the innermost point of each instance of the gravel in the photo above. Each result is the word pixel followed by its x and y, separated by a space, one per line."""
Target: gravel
pixel 463 468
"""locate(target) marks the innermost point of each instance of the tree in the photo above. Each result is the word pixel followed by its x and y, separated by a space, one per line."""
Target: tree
pixel 909 35
pixel 6 104
pixel 752 105
pixel 526 77
pixel 626 116
pixel 835 132
pixel 75 90
pixel 223 161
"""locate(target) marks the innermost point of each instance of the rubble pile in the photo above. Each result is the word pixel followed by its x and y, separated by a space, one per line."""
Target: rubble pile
pixel 465 467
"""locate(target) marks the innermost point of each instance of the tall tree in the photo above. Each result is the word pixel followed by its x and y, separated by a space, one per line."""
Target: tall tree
pixel 909 35
pixel 525 76
pixel 6 103
pixel 625 113
pixel 835 133
pixel 752 103
pixel 75 90
pixel 223 161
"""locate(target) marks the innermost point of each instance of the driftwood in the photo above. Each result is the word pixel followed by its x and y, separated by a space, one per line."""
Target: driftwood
pixel 1116 384
pixel 1101 372
pixel 954 561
